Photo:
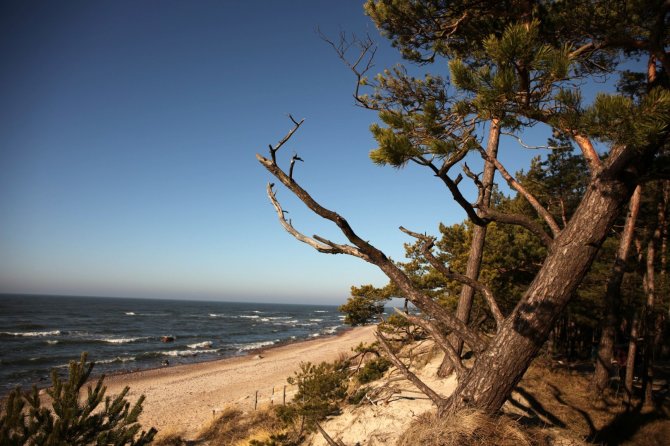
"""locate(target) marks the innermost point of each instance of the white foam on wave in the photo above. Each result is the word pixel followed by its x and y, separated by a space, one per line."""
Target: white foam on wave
pixel 246 316
pixel 331 330
pixel 206 344
pixel 33 333
pixel 119 340
pixel 130 313
pixel 320 311
pixel 264 319
pixel 187 352
pixel 116 360
pixel 315 335
pixel 52 342
pixel 255 345
pixel 316 320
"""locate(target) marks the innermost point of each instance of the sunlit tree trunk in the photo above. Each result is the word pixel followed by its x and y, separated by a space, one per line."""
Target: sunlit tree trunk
pixel 603 367
pixel 500 367
pixel 476 247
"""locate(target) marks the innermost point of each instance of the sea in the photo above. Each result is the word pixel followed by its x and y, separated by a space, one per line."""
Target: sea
pixel 41 333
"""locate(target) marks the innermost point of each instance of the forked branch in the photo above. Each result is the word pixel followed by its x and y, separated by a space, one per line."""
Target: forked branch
pixel 320 244
pixel 411 377
pixel 368 252
pixel 273 150
pixel 541 210
pixel 427 245
pixel 440 339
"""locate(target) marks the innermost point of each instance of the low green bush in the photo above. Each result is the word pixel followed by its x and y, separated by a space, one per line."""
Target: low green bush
pixel 373 370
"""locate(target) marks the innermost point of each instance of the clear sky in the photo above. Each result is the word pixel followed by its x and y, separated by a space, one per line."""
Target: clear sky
pixel 128 131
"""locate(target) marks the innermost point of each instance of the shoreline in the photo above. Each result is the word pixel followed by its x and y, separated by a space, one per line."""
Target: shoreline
pixel 251 352
pixel 183 398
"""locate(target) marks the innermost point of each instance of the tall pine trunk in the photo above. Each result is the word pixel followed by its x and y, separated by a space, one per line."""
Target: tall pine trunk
pixel 632 353
pixel 499 368
pixel 476 247
pixel 603 367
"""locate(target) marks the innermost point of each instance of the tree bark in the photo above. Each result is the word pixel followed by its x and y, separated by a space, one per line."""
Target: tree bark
pixel 603 367
pixel 653 324
pixel 499 368
pixel 476 247
pixel 630 359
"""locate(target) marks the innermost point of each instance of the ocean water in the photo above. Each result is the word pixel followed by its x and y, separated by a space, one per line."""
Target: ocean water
pixel 41 333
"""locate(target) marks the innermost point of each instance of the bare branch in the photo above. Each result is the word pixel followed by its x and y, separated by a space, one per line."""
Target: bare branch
pixel 541 210
pixel 367 50
pixel 273 150
pixel 318 243
pixel 526 146
pixel 366 251
pixel 519 220
pixel 440 339
pixel 327 437
pixel 430 393
pixel 458 197
pixel 293 160
pixel 449 274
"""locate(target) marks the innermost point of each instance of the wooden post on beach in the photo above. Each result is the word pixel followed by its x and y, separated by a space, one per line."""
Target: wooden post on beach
pixel 284 395
pixel 272 396
pixel 256 400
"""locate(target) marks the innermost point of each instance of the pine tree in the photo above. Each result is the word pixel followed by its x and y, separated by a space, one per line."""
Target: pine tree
pixel 518 64
pixel 72 420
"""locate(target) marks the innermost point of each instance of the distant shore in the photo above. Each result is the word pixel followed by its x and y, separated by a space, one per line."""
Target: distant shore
pixel 183 398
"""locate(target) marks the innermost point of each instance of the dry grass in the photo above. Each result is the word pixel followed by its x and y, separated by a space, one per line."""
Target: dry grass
pixel 466 428
pixel 236 427
pixel 559 404
pixel 232 427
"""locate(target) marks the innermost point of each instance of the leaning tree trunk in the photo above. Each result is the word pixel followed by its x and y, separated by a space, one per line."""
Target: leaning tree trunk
pixel 476 247
pixel 499 368
pixel 603 370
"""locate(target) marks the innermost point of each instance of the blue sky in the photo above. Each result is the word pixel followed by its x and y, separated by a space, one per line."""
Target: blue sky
pixel 127 139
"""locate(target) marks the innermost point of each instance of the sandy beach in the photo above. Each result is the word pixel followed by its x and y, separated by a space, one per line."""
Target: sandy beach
pixel 181 399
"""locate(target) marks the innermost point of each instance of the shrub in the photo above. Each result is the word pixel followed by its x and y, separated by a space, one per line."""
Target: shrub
pixel 373 370
pixel 321 388
pixel 70 422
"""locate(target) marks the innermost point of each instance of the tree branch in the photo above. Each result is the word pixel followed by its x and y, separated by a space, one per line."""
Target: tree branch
pixel 541 211
pixel 518 220
pixel 316 242
pixel 411 377
pixel 440 339
pixel 373 255
pixel 589 152
pixel 273 150
pixel 427 245
pixel 523 144
pixel 488 214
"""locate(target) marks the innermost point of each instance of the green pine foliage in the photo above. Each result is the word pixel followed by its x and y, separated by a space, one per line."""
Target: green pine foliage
pixel 321 390
pixel 373 370
pixel 72 419
pixel 365 305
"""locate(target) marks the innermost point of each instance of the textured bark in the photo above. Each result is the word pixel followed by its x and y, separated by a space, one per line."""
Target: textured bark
pixel 476 247
pixel 603 365
pixel 632 352
pixel 652 323
pixel 500 367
